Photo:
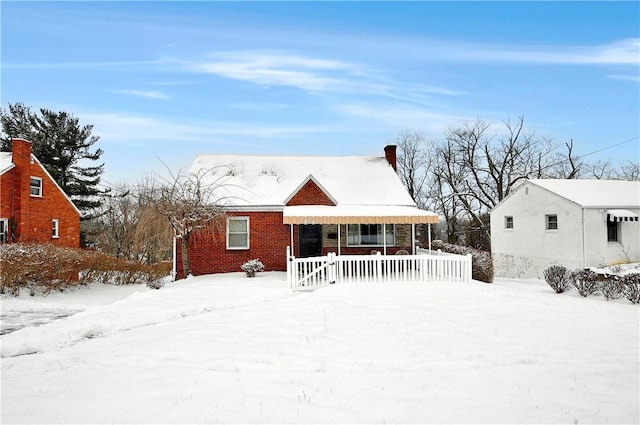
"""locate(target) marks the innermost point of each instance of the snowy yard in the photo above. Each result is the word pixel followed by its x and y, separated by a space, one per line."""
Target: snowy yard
pixel 228 349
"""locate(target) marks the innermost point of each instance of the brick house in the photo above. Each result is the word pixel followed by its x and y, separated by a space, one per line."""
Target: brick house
pixel 33 208
pixel 313 204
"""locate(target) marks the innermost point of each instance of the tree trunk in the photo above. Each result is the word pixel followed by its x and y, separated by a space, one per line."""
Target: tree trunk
pixel 186 263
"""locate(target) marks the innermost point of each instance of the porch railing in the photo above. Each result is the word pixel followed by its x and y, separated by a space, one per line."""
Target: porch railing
pixel 311 273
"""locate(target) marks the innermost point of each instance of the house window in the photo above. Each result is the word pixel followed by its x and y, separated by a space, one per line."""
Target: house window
pixel 55 228
pixel 508 222
pixel 613 231
pixel 4 230
pixel 369 235
pixel 238 233
pixel 35 186
pixel 552 222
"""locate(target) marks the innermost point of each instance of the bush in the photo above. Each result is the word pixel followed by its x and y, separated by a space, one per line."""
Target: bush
pixel 47 267
pixel 482 264
pixel 252 266
pixel 611 287
pixel 630 285
pixel 558 278
pixel 585 282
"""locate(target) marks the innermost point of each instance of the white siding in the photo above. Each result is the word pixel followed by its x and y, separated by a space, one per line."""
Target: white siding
pixel 528 249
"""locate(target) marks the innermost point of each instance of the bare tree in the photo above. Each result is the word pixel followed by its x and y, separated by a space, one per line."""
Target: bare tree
pixel 413 162
pixel 188 201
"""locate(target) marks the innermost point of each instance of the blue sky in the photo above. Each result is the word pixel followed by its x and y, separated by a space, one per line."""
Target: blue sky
pixel 164 81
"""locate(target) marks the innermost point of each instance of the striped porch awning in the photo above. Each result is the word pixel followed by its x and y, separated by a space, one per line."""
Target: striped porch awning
pixel 621 215
pixel 357 214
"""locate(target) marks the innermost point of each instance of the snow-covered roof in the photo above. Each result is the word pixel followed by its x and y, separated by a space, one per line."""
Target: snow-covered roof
pixel 252 180
pixel 594 193
pixel 6 162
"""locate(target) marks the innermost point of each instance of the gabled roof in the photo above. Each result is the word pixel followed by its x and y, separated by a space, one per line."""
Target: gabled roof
pixel 6 164
pixel 594 193
pixel 252 180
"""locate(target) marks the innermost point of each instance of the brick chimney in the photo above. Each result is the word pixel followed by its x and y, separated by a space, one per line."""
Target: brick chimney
pixel 21 157
pixel 390 154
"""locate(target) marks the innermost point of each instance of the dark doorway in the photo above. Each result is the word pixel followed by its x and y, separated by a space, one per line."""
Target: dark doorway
pixel 310 240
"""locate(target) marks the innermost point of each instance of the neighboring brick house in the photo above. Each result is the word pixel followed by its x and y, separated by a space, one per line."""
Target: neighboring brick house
pixel 313 204
pixel 33 208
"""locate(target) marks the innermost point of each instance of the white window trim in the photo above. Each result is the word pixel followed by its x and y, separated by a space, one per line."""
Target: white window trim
pixel 6 229
pixel 39 195
pixel 360 244
pixel 546 222
pixel 236 248
pixel 55 228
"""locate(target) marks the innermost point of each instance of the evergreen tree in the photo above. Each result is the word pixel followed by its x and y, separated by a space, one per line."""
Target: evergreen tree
pixel 63 147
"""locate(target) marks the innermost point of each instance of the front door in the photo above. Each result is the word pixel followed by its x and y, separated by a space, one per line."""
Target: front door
pixel 310 240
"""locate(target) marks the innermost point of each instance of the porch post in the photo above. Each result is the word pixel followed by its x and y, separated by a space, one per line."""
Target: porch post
pixel 338 238
pixel 292 248
pixel 429 230
pixel 384 238
pixel 413 238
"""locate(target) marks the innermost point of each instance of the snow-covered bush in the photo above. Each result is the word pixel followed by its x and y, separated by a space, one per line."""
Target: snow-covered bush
pixel 631 287
pixel 251 267
pixel 611 287
pixel 558 277
pixel 585 282
pixel 47 267
pixel 482 264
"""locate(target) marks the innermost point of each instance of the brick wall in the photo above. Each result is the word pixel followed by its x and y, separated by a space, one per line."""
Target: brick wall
pixel 33 215
pixel 310 194
pixel 268 239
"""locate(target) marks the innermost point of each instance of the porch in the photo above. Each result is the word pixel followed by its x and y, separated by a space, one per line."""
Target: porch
pixel 315 272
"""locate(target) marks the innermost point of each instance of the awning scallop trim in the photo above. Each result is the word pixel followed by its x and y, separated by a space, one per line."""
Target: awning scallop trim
pixel 357 214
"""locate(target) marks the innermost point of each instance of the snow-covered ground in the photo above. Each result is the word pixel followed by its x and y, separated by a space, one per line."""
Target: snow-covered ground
pixel 228 349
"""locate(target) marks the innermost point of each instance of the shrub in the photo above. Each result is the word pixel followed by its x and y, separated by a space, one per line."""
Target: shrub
pixel 585 282
pixel 611 287
pixel 252 266
pixel 46 267
pixel 558 278
pixel 482 264
pixel 631 287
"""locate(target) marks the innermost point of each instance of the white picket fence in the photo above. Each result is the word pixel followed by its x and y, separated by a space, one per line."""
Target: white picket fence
pixel 312 273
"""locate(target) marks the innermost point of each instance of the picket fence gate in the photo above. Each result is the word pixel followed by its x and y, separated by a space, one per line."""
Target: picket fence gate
pixel 315 272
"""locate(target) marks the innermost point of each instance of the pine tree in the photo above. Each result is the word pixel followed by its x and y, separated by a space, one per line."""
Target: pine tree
pixel 63 147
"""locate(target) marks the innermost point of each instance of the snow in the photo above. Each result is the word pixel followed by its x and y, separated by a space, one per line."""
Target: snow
pixel 270 180
pixel 231 349
pixel 6 162
pixel 595 193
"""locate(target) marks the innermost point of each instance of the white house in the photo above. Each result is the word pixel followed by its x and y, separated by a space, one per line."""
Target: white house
pixel 573 223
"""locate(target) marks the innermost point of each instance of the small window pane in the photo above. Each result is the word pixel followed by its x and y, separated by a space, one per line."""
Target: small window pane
pixel 508 222
pixel 237 241
pixel 612 231
pixel 552 222
pixel 54 228
pixel 237 225
pixel 35 186
pixel 3 230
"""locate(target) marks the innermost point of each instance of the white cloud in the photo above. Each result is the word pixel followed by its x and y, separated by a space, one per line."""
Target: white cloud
pixel 621 52
pixel 137 129
pixel 635 78
pixel 149 94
